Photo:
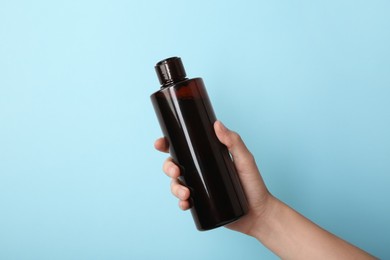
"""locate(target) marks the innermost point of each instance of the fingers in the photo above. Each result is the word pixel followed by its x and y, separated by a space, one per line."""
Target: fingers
pixel 184 204
pixel 171 169
pixel 243 159
pixel 161 145
pixel 178 190
pixel 182 193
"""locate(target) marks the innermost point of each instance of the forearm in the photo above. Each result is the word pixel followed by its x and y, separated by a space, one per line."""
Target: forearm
pixel 292 236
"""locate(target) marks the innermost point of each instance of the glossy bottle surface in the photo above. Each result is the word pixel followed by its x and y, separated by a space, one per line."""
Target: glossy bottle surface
pixel 186 117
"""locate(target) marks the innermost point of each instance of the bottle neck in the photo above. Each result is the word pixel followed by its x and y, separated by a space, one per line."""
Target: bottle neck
pixel 171 83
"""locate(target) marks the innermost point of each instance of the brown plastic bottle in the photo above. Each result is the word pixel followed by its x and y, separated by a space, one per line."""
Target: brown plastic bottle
pixel 186 118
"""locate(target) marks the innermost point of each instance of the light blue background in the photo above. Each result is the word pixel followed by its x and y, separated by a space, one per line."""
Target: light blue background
pixel 306 84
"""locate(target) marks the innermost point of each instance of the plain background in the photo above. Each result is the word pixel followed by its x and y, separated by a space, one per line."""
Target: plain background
pixel 306 84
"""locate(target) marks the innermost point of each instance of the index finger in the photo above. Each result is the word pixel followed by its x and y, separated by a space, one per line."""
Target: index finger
pixel 162 145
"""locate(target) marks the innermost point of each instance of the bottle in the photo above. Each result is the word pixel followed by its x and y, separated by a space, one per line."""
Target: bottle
pixel 186 118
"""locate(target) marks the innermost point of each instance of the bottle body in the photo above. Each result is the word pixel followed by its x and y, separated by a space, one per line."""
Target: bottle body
pixel 186 118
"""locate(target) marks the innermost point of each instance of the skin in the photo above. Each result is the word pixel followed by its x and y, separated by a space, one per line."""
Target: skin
pixel 277 226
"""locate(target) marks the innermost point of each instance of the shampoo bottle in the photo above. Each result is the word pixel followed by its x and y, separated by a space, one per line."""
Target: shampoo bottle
pixel 186 118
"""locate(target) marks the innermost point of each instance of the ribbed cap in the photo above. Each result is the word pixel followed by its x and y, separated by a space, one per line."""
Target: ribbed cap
pixel 170 71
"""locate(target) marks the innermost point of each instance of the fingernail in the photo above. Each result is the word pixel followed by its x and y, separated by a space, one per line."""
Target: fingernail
pixel 181 193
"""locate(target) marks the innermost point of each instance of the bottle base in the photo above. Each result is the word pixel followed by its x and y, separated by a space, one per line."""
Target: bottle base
pixel 220 224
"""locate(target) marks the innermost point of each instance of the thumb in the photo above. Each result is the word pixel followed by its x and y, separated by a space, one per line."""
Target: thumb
pixel 243 159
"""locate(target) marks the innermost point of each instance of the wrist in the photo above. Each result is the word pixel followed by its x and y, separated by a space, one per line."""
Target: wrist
pixel 265 217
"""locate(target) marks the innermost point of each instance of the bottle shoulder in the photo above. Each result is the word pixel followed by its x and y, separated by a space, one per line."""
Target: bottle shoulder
pixel 188 83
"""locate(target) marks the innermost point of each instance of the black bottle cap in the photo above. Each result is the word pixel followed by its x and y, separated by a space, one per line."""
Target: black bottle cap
pixel 170 71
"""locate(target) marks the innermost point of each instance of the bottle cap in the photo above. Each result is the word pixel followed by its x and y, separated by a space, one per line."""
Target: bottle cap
pixel 170 71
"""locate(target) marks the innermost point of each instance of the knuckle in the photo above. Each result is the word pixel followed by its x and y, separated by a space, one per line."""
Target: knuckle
pixel 167 164
pixel 174 188
pixel 235 137
pixel 251 157
pixel 175 185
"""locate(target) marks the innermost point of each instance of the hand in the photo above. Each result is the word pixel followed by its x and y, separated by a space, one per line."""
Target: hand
pixel 280 228
pixel 253 185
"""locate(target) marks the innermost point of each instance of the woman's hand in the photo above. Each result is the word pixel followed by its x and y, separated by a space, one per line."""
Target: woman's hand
pixel 280 228
pixel 253 185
